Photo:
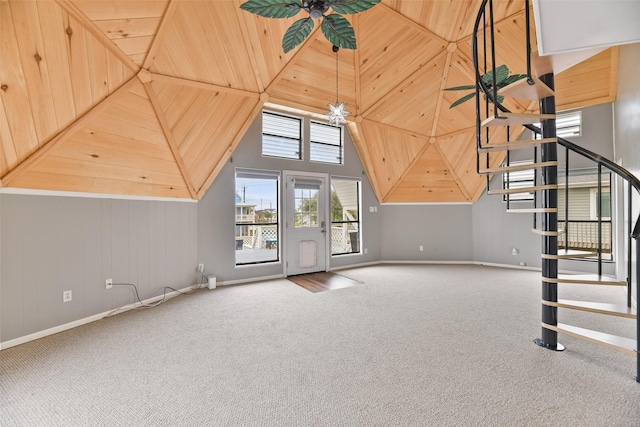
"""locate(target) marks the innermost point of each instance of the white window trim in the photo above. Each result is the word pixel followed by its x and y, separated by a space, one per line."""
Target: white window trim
pixel 593 204
pixel 341 162
pixel 301 141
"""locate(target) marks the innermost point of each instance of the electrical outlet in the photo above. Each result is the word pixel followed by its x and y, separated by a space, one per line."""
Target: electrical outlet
pixel 66 296
pixel 201 268
pixel 108 283
pixel 421 248
pixel 366 250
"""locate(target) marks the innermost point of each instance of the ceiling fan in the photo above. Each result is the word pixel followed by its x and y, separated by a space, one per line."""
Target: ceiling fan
pixel 335 27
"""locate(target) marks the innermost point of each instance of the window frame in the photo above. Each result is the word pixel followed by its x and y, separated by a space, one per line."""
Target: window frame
pixel 561 129
pixel 299 139
pixel 339 146
pixel 524 177
pixel 276 176
pixel 358 221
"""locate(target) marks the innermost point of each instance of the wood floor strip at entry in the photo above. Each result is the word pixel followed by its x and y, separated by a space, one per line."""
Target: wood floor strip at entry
pixel 323 281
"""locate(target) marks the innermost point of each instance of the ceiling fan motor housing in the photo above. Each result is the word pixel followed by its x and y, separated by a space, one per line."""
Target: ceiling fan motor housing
pixel 316 8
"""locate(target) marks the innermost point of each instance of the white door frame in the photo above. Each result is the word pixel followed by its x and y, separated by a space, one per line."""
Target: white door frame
pixel 287 175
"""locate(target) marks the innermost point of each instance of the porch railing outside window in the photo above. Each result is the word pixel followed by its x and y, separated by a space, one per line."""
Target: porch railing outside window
pixel 345 216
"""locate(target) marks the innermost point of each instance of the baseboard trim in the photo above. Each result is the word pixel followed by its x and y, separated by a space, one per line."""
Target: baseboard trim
pixel 252 279
pixel 516 267
pixel 61 328
pixel 399 261
pixel 362 264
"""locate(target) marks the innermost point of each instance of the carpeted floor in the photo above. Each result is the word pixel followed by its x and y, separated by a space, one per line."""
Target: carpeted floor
pixel 416 345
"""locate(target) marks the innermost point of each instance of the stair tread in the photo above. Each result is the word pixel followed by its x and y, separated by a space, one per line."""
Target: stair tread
pixel 548 233
pixel 570 253
pixel 596 307
pixel 586 279
pixel 522 89
pixel 625 345
pixel 512 168
pixel 522 189
pixel 558 63
pixel 510 119
pixel 533 210
pixel 514 145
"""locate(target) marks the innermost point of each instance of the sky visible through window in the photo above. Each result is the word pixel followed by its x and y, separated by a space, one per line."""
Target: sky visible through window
pixel 258 192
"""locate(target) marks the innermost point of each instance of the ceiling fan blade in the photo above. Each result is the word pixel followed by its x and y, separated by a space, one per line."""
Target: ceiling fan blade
pixel 346 7
pixel 273 8
pixel 296 34
pixel 339 31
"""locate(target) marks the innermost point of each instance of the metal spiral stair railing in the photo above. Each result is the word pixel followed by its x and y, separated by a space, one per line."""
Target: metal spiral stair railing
pixel 496 114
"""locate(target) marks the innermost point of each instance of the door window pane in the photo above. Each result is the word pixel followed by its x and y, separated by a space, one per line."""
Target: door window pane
pixel 306 206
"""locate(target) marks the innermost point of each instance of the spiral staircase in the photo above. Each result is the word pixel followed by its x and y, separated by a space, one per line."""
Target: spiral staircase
pixel 494 127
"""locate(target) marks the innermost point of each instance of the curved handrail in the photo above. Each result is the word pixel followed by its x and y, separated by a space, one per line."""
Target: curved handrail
pixel 613 167
pixel 491 96
pixel 480 86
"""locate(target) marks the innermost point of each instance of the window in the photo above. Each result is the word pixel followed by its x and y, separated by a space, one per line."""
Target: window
pixel 518 179
pixel 326 143
pixel 345 216
pixel 605 203
pixel 281 136
pixel 306 204
pixel 256 218
pixel 580 220
pixel 567 124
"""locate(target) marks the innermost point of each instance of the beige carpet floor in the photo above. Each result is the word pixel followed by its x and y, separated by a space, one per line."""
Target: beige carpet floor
pixel 415 345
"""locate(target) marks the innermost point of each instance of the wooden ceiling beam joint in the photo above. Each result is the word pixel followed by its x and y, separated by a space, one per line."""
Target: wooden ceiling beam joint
pixel 157 38
pixel 78 15
pixel 171 141
pixel 206 86
pixel 232 146
pixel 65 134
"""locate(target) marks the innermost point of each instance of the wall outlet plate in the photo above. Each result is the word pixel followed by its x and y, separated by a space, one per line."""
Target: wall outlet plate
pixel 67 296
pixel 201 268
pixel 108 283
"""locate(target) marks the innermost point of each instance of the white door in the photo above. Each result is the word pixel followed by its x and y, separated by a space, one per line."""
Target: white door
pixel 305 223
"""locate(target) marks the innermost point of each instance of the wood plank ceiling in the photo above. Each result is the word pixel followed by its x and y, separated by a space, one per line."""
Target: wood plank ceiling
pixel 150 98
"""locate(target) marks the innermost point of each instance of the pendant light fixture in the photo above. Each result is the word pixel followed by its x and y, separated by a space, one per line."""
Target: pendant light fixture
pixel 337 112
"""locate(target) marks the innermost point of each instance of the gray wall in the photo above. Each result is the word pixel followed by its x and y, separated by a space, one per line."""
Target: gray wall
pixel 627 109
pixel 444 231
pixel 51 244
pixel 627 117
pixel 597 136
pixel 216 211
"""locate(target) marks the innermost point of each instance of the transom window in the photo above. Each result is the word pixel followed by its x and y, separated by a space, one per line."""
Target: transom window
pixel 281 136
pixel 326 143
pixel 567 124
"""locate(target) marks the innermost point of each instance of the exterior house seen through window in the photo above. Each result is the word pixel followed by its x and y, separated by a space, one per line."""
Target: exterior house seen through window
pixel 345 216
pixel 256 218
pixel 584 213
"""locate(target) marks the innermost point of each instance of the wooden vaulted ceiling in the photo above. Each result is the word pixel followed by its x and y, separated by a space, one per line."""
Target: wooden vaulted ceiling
pixel 151 97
